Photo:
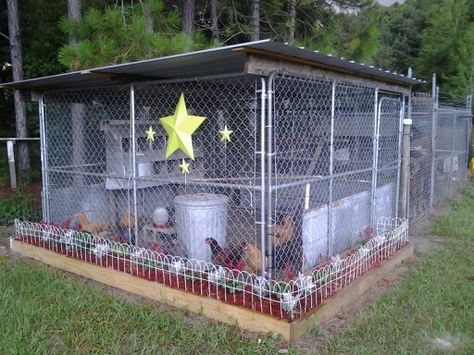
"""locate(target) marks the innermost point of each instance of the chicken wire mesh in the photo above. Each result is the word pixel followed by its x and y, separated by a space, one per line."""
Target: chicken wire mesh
pixel 90 158
pixel 451 151
pixel 334 168
pixel 421 155
pixel 436 177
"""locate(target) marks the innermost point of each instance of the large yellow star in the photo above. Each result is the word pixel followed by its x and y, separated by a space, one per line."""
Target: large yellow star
pixel 180 128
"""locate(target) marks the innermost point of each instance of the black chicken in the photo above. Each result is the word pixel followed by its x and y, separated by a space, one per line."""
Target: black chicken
pixel 229 257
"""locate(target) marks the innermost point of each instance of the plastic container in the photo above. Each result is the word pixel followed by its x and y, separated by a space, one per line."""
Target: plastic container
pixel 201 216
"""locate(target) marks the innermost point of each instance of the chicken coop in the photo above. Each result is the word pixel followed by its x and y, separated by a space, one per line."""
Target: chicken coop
pixel 279 156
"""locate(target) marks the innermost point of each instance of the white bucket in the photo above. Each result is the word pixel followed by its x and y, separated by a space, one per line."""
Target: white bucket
pixel 200 216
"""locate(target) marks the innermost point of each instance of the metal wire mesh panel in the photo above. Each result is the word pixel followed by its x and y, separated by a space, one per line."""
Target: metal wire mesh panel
pixel 220 168
pixel 388 158
pixel 105 177
pixel 77 161
pixel 325 197
pixel 353 161
pixel 421 155
pixel 302 131
pixel 451 154
pixel 332 168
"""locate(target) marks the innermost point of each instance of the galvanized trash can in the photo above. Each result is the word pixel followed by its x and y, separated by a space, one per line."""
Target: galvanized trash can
pixel 200 216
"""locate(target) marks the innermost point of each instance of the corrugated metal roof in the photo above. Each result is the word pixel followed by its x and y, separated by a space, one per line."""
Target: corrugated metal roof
pixel 214 61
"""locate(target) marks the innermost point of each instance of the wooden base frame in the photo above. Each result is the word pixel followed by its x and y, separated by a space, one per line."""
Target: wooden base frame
pixel 211 308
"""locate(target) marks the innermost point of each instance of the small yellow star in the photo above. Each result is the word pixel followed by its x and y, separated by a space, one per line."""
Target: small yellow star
pixel 180 128
pixel 184 167
pixel 150 134
pixel 225 134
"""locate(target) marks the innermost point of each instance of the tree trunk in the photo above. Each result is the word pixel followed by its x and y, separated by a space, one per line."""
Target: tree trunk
pixel 188 17
pixel 147 16
pixel 291 33
pixel 74 13
pixel 214 28
pixel 20 107
pixel 255 21
pixel 77 109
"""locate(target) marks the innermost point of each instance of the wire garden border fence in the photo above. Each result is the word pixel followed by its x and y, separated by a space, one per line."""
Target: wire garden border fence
pixel 284 300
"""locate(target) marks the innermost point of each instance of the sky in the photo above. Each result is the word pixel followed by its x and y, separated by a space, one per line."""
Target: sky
pixel 390 2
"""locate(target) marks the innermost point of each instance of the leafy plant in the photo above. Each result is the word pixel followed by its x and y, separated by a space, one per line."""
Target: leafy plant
pixel 18 205
pixel 316 330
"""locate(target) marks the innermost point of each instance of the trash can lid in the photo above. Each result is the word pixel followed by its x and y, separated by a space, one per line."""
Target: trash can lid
pixel 201 200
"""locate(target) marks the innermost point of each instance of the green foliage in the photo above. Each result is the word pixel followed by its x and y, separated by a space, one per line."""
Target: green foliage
pixel 447 46
pixel 115 36
pixel 18 205
pixel 51 312
pixel 316 330
pixel 434 301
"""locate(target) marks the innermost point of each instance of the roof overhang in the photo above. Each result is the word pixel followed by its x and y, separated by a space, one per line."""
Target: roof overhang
pixel 215 61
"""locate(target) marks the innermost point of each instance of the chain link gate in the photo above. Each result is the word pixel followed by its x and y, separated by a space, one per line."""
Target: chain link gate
pixel 335 168
pixel 434 177
pixel 421 155
pixel 451 151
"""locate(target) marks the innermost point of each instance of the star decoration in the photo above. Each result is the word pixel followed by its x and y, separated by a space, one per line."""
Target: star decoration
pixel 150 134
pixel 225 134
pixel 180 128
pixel 184 167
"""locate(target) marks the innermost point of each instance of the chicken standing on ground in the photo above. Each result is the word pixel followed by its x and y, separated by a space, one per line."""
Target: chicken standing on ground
pixel 282 233
pixel 253 259
pixel 230 256
pixel 283 257
pixel 97 228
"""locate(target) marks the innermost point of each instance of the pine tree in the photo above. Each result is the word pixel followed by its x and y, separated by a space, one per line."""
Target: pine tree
pixel 118 35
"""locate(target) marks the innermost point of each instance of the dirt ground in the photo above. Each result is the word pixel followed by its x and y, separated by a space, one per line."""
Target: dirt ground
pixel 423 244
pixel 33 190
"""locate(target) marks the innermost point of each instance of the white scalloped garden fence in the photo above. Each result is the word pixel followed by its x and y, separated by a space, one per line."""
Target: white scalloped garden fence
pixel 286 300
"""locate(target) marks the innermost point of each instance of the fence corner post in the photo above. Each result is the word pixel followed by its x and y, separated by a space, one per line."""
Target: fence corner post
pixel 405 169
pixel 11 164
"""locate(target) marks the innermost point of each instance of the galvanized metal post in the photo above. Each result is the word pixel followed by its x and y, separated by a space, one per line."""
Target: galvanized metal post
pixel 262 172
pixel 134 162
pixel 453 147
pixel 44 161
pixel 470 131
pixel 399 157
pixel 270 155
pixel 405 173
pixel 434 97
pixel 374 157
pixel 11 164
pixel 331 171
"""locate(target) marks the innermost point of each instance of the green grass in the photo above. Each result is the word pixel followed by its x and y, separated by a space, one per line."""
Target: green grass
pixel 45 311
pixel 435 299
pixel 18 205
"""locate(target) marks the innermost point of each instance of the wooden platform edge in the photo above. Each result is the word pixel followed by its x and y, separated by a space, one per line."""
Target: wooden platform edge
pixel 211 308
pixel 348 295
pixel 205 306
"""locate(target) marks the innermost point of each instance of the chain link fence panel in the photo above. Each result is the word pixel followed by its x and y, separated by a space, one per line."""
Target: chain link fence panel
pixel 421 155
pixel 330 184
pixel 334 158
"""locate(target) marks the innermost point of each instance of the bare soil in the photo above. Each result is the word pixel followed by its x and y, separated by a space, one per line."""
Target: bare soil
pixel 33 190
